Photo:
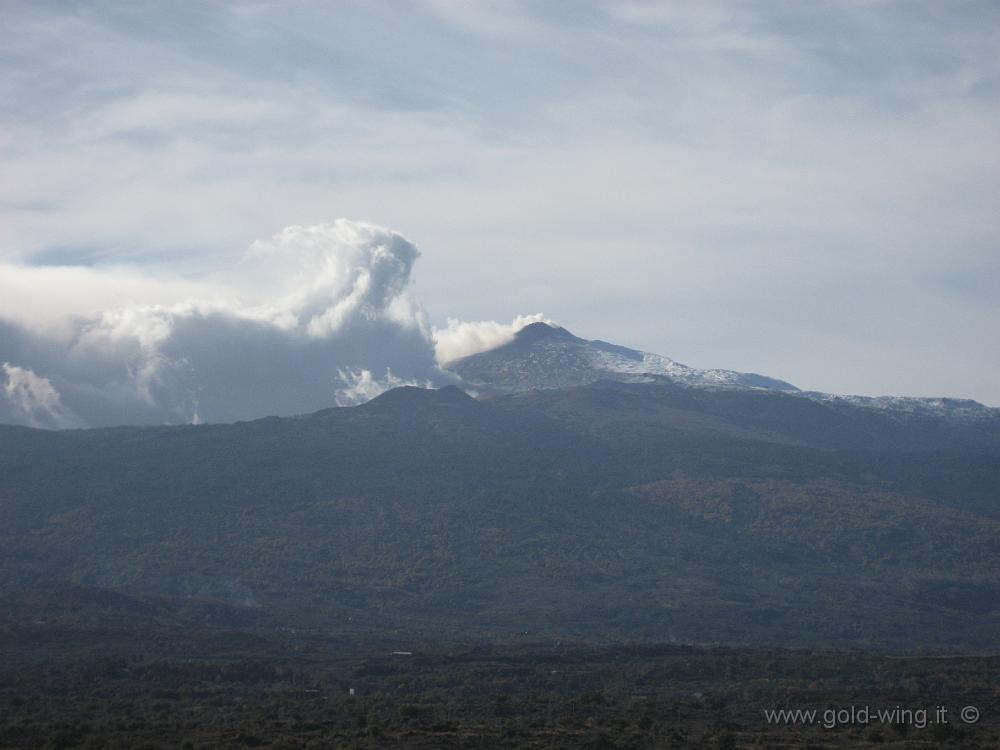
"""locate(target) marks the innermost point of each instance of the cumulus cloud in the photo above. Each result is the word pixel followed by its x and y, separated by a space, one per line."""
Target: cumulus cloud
pixel 322 278
pixel 460 338
pixel 310 317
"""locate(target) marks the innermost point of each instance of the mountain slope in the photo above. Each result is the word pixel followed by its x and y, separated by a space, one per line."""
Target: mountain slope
pixel 542 356
pixel 609 510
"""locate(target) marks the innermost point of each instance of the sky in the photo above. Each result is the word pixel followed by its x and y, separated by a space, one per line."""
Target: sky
pixel 204 203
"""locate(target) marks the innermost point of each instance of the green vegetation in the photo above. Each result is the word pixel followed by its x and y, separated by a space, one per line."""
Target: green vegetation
pixel 231 689
pixel 543 556
pixel 600 512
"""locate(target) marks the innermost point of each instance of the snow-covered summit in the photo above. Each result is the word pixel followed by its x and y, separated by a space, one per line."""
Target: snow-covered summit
pixel 543 356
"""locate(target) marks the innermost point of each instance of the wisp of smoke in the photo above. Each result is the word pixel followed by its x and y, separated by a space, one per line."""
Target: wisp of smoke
pixel 461 338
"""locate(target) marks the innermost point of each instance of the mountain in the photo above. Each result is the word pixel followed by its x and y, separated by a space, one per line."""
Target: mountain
pixel 644 510
pixel 545 356
pixel 588 491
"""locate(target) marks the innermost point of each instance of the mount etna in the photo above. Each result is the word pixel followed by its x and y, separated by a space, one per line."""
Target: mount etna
pixel 575 545
pixel 590 491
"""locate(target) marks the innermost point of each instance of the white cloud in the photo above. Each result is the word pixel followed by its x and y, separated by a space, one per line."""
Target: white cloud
pixel 308 309
pixel 320 278
pixel 45 297
pixel 308 318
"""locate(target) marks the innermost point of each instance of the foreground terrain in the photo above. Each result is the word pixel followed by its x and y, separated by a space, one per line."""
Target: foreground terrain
pixel 221 688
pixel 607 565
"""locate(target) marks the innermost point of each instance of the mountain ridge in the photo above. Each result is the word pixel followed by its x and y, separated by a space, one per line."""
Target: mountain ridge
pixel 544 356
pixel 611 510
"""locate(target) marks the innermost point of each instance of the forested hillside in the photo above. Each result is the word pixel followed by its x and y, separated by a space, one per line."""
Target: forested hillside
pixel 607 511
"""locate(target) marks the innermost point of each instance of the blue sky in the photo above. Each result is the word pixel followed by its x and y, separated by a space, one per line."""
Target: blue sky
pixel 807 190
